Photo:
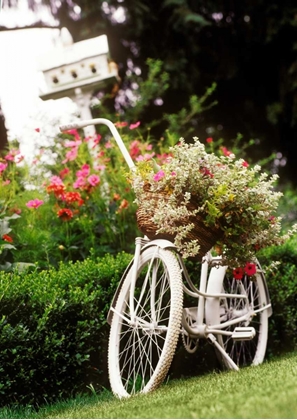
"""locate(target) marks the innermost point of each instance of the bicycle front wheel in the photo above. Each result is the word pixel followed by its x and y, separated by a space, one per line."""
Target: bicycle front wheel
pixel 242 352
pixel 141 347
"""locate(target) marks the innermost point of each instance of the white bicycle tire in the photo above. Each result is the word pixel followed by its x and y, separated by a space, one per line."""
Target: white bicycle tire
pixel 146 344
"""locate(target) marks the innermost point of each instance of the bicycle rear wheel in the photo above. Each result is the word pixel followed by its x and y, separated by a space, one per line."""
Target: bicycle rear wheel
pixel 242 352
pixel 141 349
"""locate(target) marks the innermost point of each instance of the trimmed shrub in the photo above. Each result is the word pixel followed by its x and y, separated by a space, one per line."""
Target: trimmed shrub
pixel 54 334
pixel 282 284
pixel 53 329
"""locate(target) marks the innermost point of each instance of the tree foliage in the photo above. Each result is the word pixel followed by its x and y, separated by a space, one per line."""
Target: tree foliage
pixel 247 47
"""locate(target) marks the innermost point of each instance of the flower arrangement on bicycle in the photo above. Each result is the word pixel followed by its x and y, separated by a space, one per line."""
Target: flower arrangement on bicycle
pixel 200 200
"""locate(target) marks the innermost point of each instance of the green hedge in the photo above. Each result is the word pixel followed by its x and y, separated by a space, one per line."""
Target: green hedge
pixel 282 284
pixel 53 330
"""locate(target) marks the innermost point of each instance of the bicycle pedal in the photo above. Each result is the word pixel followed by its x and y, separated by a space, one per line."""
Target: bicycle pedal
pixel 243 333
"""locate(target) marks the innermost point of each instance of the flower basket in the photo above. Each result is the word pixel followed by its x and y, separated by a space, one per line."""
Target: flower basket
pixel 198 200
pixel 205 236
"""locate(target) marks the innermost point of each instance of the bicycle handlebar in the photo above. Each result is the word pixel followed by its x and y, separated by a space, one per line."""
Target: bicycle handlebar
pixel 114 131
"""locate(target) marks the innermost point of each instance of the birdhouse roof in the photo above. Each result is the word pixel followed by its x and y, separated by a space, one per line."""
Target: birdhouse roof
pixel 63 55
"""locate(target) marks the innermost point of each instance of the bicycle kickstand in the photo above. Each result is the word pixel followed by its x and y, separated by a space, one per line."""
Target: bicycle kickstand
pixel 212 339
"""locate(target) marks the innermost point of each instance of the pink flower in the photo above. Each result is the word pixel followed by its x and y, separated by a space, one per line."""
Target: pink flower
pixel 69 143
pixel 165 157
pixel 79 183
pixel 84 171
pixel 108 145
pixel 95 142
pixel 7 182
pixel 34 204
pixel 74 132
pixel 94 180
pixel 56 180
pixel 146 156
pixel 133 126
pixel 9 157
pixel 225 151
pixel 71 155
pixel 37 130
pixel 159 175
pixel 19 158
pixel 3 166
pixel 101 154
pixel 245 164
pixel 99 167
pixel 173 173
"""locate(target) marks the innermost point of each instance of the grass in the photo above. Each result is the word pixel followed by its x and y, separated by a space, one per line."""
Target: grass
pixel 265 391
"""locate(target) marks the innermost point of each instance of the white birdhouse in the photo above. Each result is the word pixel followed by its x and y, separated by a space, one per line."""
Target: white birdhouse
pixel 77 70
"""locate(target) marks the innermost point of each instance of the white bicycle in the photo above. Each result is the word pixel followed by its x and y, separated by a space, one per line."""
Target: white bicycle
pixel 147 314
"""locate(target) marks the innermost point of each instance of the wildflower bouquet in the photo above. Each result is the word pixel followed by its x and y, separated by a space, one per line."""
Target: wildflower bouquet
pixel 195 193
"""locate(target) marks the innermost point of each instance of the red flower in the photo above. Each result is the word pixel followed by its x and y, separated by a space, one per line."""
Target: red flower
pixel 64 172
pixel 206 172
pixel 225 151
pixel 134 149
pixel 245 164
pixel 124 204
pixel 209 140
pixel 65 214
pixel 238 273
pixel 120 124
pixel 7 238
pixel 72 197
pixel 250 269
pixel 37 130
pixel 56 189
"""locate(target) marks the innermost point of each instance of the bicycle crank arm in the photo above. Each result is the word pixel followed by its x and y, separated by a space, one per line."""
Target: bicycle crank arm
pixel 212 339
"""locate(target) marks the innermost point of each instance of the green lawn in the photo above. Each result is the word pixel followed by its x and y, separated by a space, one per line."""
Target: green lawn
pixel 265 391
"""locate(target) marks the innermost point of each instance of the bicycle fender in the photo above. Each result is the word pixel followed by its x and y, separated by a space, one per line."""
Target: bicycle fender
pixel 162 243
